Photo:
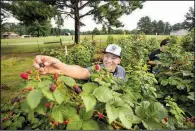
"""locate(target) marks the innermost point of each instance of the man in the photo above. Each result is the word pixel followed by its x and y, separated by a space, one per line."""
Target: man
pixel 154 55
pixel 111 61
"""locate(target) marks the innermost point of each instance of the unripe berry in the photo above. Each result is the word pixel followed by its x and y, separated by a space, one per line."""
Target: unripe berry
pixel 166 119
pixel 97 67
pixel 30 88
pixel 55 76
pixel 65 122
pixel 47 104
pixel 100 115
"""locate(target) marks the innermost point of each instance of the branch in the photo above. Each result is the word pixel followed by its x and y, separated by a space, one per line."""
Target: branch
pixel 68 5
pixel 81 7
pixel 88 13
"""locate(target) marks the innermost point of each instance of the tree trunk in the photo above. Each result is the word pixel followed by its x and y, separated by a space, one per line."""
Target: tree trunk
pixel 77 23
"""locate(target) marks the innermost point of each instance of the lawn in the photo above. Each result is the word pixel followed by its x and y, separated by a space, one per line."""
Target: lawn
pixel 11 67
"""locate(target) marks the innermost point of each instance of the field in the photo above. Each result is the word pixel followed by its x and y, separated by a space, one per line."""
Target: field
pixel 18 54
pixel 57 99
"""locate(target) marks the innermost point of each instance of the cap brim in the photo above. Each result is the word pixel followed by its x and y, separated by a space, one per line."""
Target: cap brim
pixel 110 53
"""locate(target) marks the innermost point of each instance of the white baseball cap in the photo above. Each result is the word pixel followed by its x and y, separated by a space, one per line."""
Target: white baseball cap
pixel 113 49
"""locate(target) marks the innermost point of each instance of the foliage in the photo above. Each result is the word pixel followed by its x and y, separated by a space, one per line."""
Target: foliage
pixel 134 49
pixel 106 13
pixel 189 23
pixel 188 42
pixel 81 54
pixel 39 28
pixel 176 76
pixel 110 40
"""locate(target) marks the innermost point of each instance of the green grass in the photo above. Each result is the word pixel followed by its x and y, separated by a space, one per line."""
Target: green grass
pixel 11 67
pixel 67 39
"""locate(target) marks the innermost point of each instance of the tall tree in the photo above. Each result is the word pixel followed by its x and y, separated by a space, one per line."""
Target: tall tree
pixel 177 26
pixel 103 30
pixel 145 25
pixel 189 23
pixel 154 27
pixel 31 12
pixel 160 27
pixel 167 28
pixel 5 13
pixel 104 12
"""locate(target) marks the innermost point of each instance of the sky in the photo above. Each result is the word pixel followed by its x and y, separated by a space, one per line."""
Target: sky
pixel 167 11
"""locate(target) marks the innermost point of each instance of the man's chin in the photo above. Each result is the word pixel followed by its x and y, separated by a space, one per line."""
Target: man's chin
pixel 109 69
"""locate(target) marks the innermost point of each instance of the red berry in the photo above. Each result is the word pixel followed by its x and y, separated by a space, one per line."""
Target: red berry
pixel 24 76
pixel 52 87
pixel 97 67
pixel 75 86
pixel 193 119
pixel 30 88
pixel 65 122
pixel 166 119
pixel 29 71
pixel 188 119
pixel 23 90
pixel 77 89
pixel 55 76
pixel 100 115
pixel 6 118
pixel 47 104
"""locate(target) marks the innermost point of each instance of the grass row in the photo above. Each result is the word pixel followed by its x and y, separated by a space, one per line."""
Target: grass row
pixel 64 38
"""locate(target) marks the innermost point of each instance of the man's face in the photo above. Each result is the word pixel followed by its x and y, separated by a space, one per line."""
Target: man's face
pixel 110 61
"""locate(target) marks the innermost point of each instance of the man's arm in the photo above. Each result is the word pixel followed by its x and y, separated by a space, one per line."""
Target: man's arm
pixel 75 71
pixel 55 66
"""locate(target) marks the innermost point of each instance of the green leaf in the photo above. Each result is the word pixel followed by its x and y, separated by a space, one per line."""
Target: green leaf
pixel 125 116
pixel 41 108
pixel 57 114
pixel 5 124
pixel 67 80
pixel 103 94
pixel 60 95
pixel 155 110
pixel 89 101
pixel 68 111
pixel 21 119
pixel 191 96
pixel 90 125
pixel 27 84
pixel 44 84
pixel 151 124
pixel 88 88
pixel 75 124
pixel 30 116
pixel 25 106
pixel 140 109
pixel 84 115
pixel 180 86
pixel 164 82
pixel 47 93
pixel 34 98
pixel 112 112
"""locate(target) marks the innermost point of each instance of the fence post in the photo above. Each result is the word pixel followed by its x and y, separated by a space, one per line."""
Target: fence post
pixel 66 54
pixel 61 43
pixel 38 46
pixel 100 45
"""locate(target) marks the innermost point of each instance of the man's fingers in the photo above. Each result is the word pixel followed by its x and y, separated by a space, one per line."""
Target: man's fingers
pixel 36 65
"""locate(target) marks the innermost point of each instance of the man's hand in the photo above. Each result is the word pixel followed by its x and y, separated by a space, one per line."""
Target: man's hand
pixel 154 62
pixel 47 64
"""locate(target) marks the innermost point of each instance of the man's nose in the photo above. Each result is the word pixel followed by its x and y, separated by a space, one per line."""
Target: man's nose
pixel 109 60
